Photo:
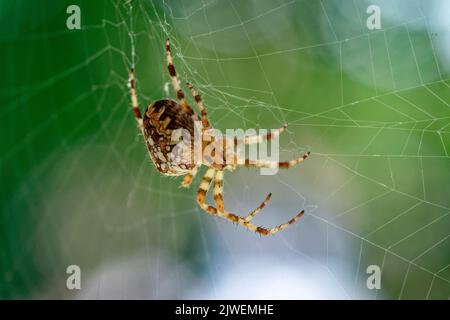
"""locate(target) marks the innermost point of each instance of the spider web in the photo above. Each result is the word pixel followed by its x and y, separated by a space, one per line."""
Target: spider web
pixel 373 107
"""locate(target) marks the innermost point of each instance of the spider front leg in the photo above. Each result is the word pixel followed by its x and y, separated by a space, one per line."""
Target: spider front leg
pixel 175 83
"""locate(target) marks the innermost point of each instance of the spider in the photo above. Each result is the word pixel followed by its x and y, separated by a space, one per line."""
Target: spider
pixel 163 117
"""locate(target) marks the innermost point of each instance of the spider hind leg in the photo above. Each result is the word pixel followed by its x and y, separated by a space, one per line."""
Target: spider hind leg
pixel 205 185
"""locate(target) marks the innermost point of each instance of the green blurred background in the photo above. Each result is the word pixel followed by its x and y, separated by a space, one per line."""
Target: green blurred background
pixel 373 106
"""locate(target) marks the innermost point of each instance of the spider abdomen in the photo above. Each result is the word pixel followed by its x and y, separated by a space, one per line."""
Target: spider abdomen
pixel 161 119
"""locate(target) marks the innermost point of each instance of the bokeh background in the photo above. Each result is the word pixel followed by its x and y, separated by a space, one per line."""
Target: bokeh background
pixel 373 106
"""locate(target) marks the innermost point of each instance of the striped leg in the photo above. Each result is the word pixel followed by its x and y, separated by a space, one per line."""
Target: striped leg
pixel 218 191
pixel 175 82
pixel 203 189
pixel 198 99
pixel 245 222
pixel 268 136
pixel 273 164
pixel 187 180
pixel 201 196
pixel 134 101
pixel 218 197
pixel 258 210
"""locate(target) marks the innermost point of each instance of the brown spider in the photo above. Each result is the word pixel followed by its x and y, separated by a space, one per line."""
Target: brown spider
pixel 163 117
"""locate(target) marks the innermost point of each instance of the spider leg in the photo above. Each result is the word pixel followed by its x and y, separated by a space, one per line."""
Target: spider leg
pixel 175 82
pixel 203 189
pixel 201 196
pixel 134 101
pixel 218 197
pixel 187 180
pixel 218 190
pixel 203 113
pixel 274 164
pixel 260 138
pixel 252 214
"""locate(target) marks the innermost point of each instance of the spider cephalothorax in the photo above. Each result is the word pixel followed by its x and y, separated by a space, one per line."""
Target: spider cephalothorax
pixel 164 117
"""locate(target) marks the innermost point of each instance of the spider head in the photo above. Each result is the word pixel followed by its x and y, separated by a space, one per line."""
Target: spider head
pixel 166 126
